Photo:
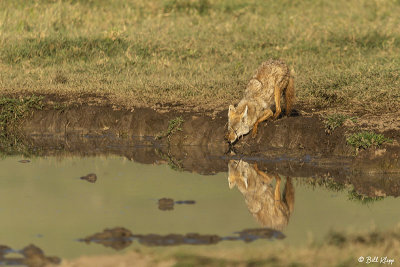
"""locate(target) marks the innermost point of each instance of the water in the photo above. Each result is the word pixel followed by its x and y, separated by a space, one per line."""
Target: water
pixel 44 202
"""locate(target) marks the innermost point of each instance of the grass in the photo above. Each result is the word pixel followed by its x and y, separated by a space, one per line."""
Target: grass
pixel 11 112
pixel 173 126
pixel 201 53
pixel 363 140
pixel 335 120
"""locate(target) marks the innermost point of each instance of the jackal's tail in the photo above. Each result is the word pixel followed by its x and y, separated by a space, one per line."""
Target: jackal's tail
pixel 289 96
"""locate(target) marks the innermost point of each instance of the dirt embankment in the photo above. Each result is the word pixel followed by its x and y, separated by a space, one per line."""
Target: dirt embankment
pixel 287 135
pixel 296 146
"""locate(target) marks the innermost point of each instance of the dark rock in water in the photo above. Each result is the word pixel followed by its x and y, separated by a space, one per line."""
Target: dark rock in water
pixel 189 202
pixel 117 238
pixel 166 204
pixel 33 256
pixel 249 235
pixel 24 161
pixel 177 239
pixel 4 250
pixel 91 177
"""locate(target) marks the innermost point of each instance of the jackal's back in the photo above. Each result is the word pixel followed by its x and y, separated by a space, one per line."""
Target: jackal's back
pixel 270 74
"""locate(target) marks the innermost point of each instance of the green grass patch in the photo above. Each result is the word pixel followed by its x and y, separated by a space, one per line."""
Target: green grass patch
pixel 11 112
pixel 59 50
pixel 334 121
pixel 187 6
pixel 366 139
pixel 174 125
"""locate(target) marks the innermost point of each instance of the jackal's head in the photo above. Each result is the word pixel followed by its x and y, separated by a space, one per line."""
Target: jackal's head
pixel 237 123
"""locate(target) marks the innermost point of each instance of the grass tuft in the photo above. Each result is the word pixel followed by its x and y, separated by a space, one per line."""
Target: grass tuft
pixel 11 112
pixel 335 120
pixel 188 6
pixel 173 126
pixel 364 140
pixel 51 51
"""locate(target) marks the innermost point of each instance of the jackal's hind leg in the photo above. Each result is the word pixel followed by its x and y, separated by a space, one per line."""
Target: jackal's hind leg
pixel 277 94
pixel 267 113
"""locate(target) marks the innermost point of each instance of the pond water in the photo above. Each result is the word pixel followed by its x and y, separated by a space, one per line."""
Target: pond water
pixel 44 202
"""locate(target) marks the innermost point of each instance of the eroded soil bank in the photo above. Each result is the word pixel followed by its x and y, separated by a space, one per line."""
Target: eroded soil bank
pixel 295 146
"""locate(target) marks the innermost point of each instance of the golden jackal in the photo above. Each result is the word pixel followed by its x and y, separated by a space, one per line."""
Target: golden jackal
pixel 263 93
pixel 262 200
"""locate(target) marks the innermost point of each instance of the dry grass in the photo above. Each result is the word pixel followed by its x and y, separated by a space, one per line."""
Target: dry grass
pixel 201 53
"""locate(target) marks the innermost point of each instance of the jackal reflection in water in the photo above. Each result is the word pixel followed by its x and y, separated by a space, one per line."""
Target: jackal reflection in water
pixel 263 200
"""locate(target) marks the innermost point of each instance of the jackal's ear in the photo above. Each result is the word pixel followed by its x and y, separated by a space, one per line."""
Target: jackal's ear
pixel 244 116
pixel 231 109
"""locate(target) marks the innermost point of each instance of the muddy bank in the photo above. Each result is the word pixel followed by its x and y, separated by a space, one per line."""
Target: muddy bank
pixel 143 126
pixel 191 140
pixel 291 146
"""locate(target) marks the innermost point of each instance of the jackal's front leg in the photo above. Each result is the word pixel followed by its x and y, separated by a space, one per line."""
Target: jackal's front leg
pixel 263 175
pixel 277 94
pixel 277 193
pixel 267 113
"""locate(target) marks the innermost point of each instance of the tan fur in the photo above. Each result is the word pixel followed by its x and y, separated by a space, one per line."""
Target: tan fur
pixel 263 200
pixel 262 96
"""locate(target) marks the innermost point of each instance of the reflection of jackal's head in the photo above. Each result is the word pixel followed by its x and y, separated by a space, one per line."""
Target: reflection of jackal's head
pixel 238 124
pixel 237 173
pixel 263 200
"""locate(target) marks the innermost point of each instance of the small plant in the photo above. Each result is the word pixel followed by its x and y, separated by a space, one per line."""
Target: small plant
pixel 60 78
pixel 199 6
pixel 354 196
pixel 173 126
pixel 335 120
pixel 60 106
pixel 367 139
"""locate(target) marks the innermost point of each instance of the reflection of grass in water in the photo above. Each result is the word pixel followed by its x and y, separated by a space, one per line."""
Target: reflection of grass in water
pixel 337 249
pixel 325 182
pixel 371 238
pixel 332 185
pixel 171 161
pixel 353 195
pixel 184 260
